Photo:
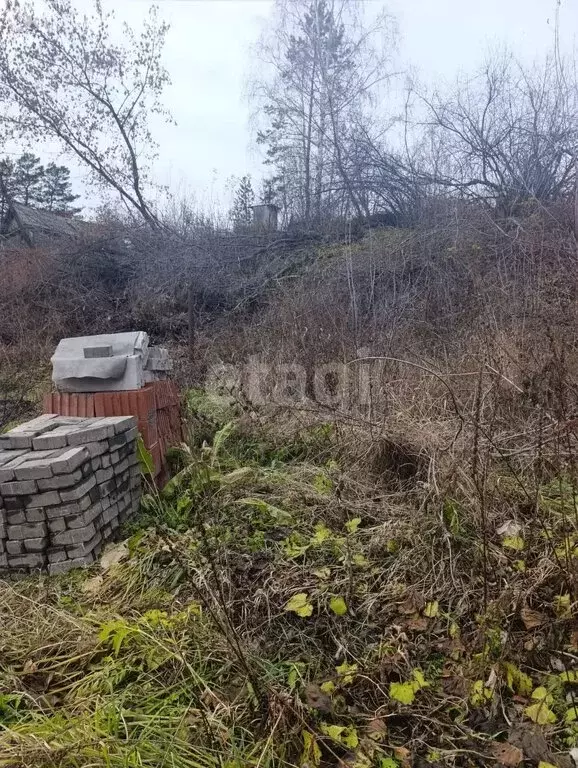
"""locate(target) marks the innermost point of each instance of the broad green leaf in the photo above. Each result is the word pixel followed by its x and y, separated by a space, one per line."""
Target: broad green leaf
pixel 419 680
pixel 295 546
pixel 540 713
pixel 517 680
pixel 338 605
pixel 451 516
pixel 346 672
pixel 275 513
pixel 300 605
pixel 402 692
pixel 220 438
pixel 360 560
pixel 513 542
pixel 322 573
pixel 571 715
pixel 432 609
pixel 353 525
pixel 145 458
pixel 479 694
pixel 311 752
pixel 388 762
pixel 543 764
pixel 328 687
pixel 321 535
pixel 542 694
pixel 323 484
pixel 569 677
pixel 294 675
pixel 333 731
pixel 341 734
pixel 350 738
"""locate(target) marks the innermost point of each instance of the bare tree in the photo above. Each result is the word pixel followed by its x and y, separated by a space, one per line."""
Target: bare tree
pixel 325 69
pixel 63 78
pixel 507 135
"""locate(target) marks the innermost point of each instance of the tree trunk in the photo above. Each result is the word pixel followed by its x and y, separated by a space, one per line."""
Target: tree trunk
pixel 192 321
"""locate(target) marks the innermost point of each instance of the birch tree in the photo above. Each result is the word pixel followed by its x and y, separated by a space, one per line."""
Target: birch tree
pixel 64 78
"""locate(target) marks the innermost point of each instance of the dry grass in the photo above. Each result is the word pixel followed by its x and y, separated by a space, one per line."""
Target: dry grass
pixel 456 589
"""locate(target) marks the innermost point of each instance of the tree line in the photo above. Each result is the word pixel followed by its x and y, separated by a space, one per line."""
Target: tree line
pixel 338 143
pixel 27 181
pixel 340 135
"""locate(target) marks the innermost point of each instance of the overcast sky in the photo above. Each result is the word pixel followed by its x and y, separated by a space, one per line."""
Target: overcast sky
pixel 209 56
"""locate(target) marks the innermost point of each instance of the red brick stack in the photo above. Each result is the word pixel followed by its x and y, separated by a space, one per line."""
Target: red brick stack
pixel 155 406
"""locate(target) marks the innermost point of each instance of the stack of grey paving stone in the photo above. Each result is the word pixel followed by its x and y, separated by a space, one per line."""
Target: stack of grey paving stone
pixel 66 484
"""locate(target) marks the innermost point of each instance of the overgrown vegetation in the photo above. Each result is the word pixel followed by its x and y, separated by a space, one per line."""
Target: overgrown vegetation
pixel 281 607
pixel 383 571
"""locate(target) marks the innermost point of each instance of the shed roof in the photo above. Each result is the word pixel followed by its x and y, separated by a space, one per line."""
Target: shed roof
pixel 48 222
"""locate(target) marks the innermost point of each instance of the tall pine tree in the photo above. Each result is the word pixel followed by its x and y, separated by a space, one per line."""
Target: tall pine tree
pixel 27 179
pixel 57 193
pixel 241 213
pixel 324 68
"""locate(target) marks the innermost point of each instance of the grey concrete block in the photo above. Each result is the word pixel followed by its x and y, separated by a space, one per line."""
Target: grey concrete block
pixel 68 565
pixel 6 456
pixel 120 468
pixel 57 525
pixel 35 464
pixel 13 503
pixel 97 449
pixel 121 423
pixel 74 494
pixel 35 545
pixel 92 434
pixel 84 518
pixel 62 510
pixel 18 488
pixel 35 515
pixel 33 470
pixel 70 460
pixel 131 440
pixel 109 514
pixel 29 531
pixel 85 548
pixel 60 481
pixel 16 518
pixel 14 547
pixel 8 468
pixel 57 556
pixel 103 475
pixel 3 562
pixel 55 439
pixel 105 460
pixel 31 561
pixel 106 488
pixel 96 463
pixel 37 424
pixel 76 536
pixel 46 499
pixel 105 350
pixel 22 440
